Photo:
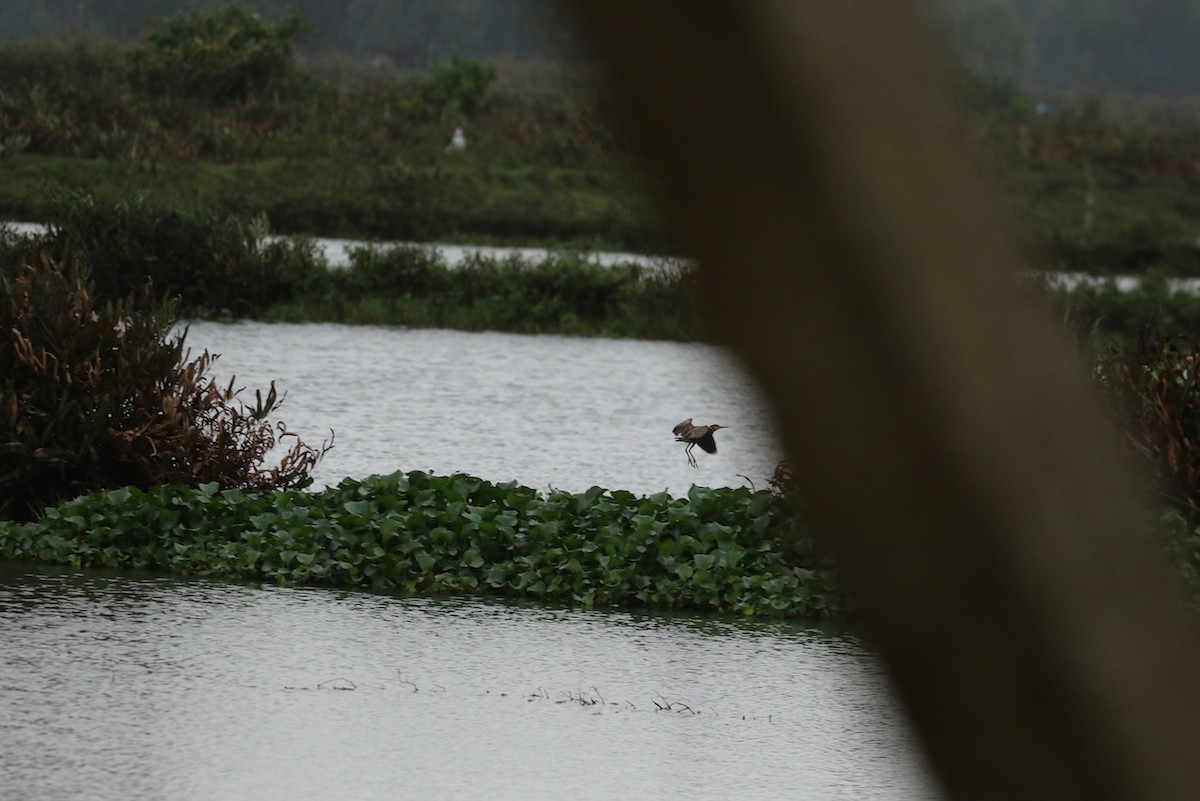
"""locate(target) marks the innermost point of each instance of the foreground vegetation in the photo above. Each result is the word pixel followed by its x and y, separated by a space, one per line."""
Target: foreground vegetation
pixel 718 550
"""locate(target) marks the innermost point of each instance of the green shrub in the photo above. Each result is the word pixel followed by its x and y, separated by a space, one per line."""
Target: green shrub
pixel 458 87
pixel 102 395
pixel 67 98
pixel 559 293
pixel 214 265
pixel 219 57
pixel 225 267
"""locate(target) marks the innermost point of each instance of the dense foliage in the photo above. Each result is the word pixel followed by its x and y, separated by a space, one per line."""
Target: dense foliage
pixel 1094 184
pixel 460 86
pixel 214 265
pixel 559 293
pixel 212 107
pixel 101 394
pixel 726 550
pixel 226 56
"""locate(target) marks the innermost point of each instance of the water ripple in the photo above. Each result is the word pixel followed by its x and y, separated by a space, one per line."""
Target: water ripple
pixel 117 687
pixel 547 411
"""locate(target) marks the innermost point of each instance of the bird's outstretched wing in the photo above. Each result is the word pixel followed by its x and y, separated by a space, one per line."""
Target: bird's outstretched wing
pixel 707 443
pixel 682 428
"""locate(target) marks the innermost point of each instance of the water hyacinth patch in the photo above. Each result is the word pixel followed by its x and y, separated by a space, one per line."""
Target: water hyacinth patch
pixel 724 550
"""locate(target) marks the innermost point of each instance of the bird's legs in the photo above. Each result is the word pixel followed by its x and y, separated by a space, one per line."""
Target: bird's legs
pixel 688 451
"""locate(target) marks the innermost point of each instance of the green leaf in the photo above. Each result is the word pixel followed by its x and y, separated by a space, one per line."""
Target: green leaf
pixel 360 508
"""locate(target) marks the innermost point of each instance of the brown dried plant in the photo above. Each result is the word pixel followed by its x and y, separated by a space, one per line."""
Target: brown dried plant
pixel 1153 386
pixel 98 397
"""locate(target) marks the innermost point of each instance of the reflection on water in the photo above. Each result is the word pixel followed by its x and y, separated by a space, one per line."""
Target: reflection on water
pixel 129 688
pixel 567 412
pixel 336 252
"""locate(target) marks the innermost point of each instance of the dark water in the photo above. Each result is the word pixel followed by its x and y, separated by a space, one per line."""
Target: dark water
pixel 567 412
pixel 132 687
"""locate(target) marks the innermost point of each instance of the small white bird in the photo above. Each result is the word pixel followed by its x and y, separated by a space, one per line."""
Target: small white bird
pixel 457 142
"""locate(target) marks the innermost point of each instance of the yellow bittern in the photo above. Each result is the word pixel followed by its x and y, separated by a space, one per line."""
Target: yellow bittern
pixel 696 435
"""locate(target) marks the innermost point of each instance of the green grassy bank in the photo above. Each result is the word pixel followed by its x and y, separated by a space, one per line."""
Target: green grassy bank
pixel 562 207
pixel 223 267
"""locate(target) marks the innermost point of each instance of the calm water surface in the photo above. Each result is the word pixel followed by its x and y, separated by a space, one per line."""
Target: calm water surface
pixel 133 687
pixel 567 412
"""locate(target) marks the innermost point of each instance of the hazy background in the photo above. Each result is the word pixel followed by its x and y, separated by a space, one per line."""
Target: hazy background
pixel 409 33
pixel 1123 45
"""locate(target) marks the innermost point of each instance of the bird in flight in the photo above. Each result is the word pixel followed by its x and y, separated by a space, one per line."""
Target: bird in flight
pixel 695 435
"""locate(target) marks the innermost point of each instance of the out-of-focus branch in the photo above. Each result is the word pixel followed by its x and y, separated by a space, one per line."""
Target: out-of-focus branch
pixel 938 427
